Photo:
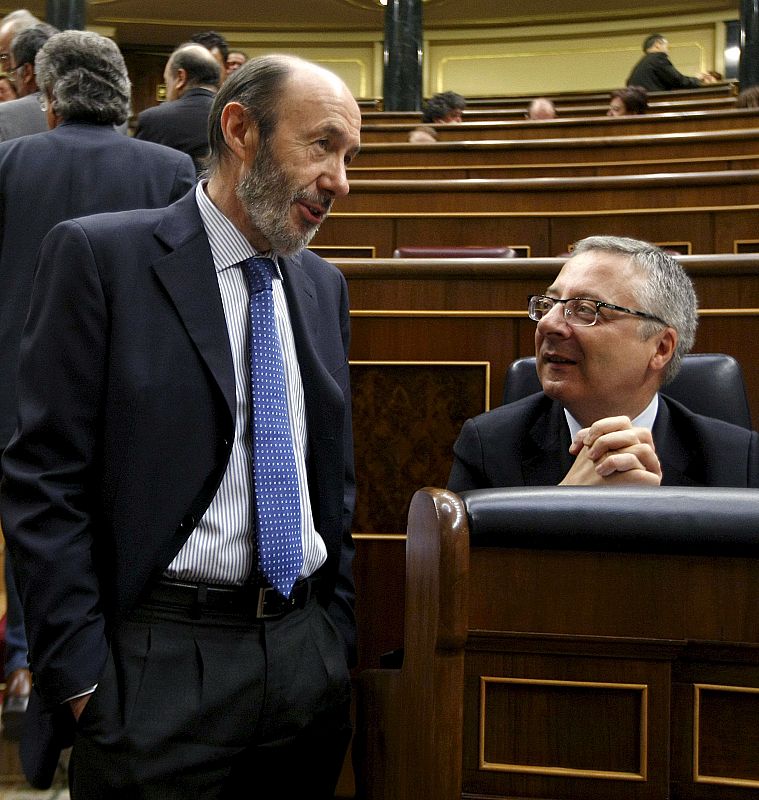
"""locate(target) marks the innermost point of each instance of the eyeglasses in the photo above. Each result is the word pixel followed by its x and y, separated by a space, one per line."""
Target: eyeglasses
pixel 579 311
pixel 5 60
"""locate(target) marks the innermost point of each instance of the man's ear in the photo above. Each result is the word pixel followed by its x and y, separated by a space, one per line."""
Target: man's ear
pixel 27 75
pixel 180 81
pixel 240 132
pixel 666 341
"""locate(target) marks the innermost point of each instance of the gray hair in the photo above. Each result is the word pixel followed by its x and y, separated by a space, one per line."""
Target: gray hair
pixel 257 86
pixel 29 42
pixel 86 77
pixel 666 292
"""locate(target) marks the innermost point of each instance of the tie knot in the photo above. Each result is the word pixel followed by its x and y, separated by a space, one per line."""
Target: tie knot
pixel 258 271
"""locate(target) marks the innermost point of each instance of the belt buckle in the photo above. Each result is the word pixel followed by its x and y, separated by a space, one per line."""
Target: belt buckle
pixel 267 595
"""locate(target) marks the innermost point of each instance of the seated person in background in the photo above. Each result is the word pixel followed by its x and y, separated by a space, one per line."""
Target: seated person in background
pixel 541 108
pixel 748 98
pixel 656 73
pixel 423 134
pixel 628 102
pixel 443 107
pixel 611 330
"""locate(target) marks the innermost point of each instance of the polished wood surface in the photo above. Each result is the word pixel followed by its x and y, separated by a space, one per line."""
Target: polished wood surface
pixel 743 141
pixel 669 122
pixel 537 673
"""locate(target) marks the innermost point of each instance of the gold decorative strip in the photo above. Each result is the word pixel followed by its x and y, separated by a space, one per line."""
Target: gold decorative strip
pixel 642 773
pixel 698 688
pixel 381 313
pixel 519 214
pixel 379 537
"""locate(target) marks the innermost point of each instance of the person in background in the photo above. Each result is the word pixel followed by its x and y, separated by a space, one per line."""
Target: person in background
pixel 192 77
pixel 611 330
pixel 656 73
pixel 235 59
pixel 179 491
pixel 629 101
pixel 217 45
pixel 541 108
pixel 423 134
pixel 7 88
pixel 442 108
pixel 748 98
pixel 22 116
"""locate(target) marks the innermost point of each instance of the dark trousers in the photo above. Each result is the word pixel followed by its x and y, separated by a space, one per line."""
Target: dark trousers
pixel 219 707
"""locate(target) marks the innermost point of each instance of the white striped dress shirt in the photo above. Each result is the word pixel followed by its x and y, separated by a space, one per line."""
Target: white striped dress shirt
pixel 222 549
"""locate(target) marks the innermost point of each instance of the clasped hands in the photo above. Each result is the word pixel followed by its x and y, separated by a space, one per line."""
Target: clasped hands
pixel 612 452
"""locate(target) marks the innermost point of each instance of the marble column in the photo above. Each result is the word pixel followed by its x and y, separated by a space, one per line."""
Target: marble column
pixel 748 69
pixel 67 15
pixel 403 55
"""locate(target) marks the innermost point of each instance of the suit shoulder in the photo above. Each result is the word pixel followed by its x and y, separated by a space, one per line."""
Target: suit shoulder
pixel 517 415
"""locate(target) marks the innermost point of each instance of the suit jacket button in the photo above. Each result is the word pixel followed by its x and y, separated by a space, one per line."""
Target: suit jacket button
pixel 188 523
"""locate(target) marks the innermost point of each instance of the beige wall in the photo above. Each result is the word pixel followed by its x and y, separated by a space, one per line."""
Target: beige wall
pixel 516 60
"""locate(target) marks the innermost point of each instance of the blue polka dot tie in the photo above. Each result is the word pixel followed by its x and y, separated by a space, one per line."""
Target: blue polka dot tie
pixel 275 480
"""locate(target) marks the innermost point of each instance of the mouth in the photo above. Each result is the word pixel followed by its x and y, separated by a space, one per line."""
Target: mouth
pixel 313 212
pixel 555 358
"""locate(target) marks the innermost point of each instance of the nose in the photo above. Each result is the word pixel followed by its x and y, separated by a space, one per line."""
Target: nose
pixel 554 322
pixel 334 179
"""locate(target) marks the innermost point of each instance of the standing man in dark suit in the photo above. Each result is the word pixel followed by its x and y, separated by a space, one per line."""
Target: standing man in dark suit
pixel 81 166
pixel 132 488
pixel 611 329
pixel 656 73
pixel 192 79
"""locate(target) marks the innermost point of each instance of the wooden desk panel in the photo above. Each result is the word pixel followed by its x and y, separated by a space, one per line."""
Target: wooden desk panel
pixel 581 126
pixel 596 149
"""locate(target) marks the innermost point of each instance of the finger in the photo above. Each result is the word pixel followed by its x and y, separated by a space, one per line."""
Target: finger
pixel 618 440
pixel 603 426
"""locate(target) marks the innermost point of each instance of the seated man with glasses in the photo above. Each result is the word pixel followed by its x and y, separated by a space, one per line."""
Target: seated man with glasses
pixel 611 330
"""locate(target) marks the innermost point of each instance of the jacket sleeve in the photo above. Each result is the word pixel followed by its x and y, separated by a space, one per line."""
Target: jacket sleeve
pixel 670 77
pixel 49 509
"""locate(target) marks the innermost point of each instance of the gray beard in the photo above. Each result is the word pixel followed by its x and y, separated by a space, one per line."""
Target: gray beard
pixel 267 193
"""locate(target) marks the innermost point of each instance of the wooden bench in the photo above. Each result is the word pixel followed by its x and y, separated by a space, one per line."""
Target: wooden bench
pixel 597 109
pixel 692 190
pixel 739 143
pixel 571 642
pixel 572 127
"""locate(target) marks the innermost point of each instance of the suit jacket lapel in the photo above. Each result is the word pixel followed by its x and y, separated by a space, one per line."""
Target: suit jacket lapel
pixel 546 456
pixel 674 454
pixel 187 273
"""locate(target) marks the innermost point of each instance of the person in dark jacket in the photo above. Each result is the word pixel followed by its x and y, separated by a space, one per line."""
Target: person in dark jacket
pixel 656 73
pixel 192 77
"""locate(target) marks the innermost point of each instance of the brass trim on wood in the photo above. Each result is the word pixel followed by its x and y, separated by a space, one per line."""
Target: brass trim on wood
pixel 549 212
pixel 566 772
pixel 698 688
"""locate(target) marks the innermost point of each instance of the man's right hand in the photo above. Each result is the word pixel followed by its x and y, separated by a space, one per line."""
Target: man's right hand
pixel 612 452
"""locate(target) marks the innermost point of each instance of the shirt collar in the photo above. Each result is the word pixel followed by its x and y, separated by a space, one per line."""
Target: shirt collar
pixel 228 245
pixel 645 419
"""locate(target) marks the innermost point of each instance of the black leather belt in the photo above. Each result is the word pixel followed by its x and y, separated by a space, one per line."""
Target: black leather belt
pixel 260 602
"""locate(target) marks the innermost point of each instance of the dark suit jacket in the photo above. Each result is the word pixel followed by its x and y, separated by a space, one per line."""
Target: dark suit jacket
pixel 126 407
pixel 72 170
pixel 181 124
pixel 526 443
pixel 656 73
